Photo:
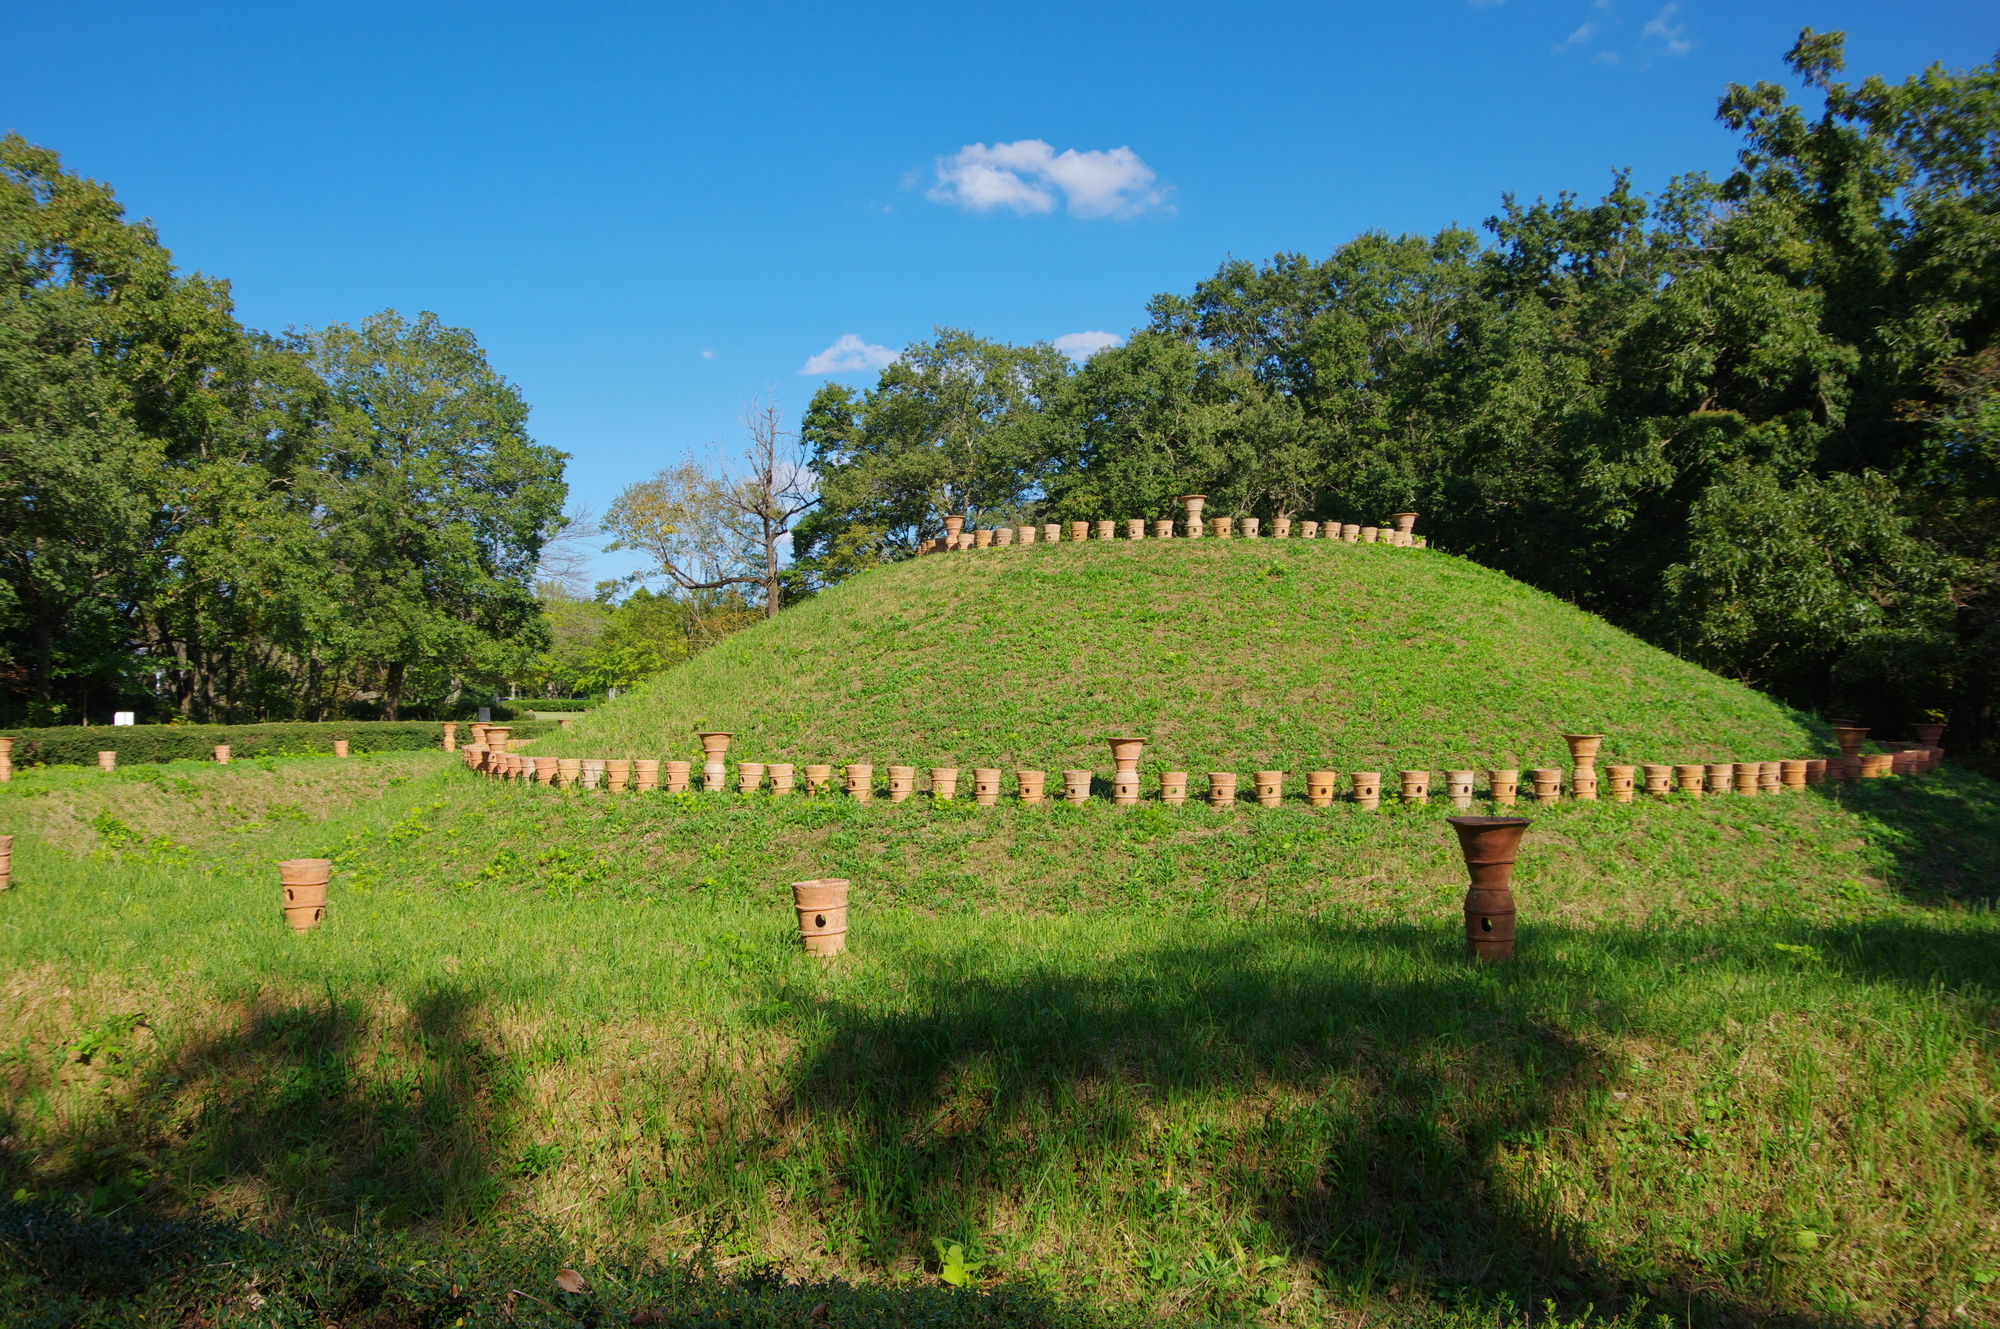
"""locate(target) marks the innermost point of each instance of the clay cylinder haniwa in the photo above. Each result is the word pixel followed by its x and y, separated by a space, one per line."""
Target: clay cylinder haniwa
pixel 714 743
pixel 1281 528
pixel 1583 749
pixel 781 776
pixel 1309 530
pixel 944 783
pixel 1191 504
pixel 107 761
pixel 1250 527
pixel 1125 753
pixel 749 776
pixel 497 736
pixel 222 754
pixel 1270 786
pixel 1125 788
pixel 860 781
pixel 1490 846
pixel 1004 536
pixel 1505 786
pixel 1222 790
pixel 1770 777
pixel 1219 526
pixel 1368 534
pixel 1404 521
pixel 1321 786
pixel 677 775
pixel 822 909
pixel 1135 528
pixel 6 862
pixel 1618 780
pixel 1689 778
pixel 1026 534
pixel 983 538
pixel 1745 774
pixel 450 735
pixel 1076 786
pixel 1792 774
pixel 1350 533
pixel 714 775
pixel 1416 786
pixel 1717 776
pixel 1659 781
pixel 1029 785
pixel 478 730
pixel 302 891
pixel 954 523
pixel 570 769
pixel 1547 784
pixel 1458 788
pixel 902 782
pixel 1107 530
pixel 1850 737
pixel 1367 787
pixel 1173 788
pixel 985 786
pixel 1163 529
pixel 1876 765
pixel 1816 770
pixel 818 778
pixel 645 774
pixel 1051 532
pixel 1079 531
pixel 1583 783
pixel 6 759
pixel 593 772
pixel 340 747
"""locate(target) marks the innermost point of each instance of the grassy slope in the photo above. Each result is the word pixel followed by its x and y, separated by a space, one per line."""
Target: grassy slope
pixel 1225 654
pixel 1192 1062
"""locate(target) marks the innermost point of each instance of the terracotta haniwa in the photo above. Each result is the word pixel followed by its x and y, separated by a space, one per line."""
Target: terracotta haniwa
pixel 1367 787
pixel 1689 778
pixel 1076 786
pixel 1220 527
pixel 1850 737
pixel 1125 753
pixel 1720 776
pixel 1505 786
pixel 1079 531
pixel 1490 845
pixel 302 891
pixel 819 779
pixel 1004 536
pixel 1793 774
pixel 571 771
pixel 1281 528
pixel 1928 734
pixel 497 736
pixel 340 747
pixel 982 538
pixel 1222 790
pixel 6 862
pixel 1416 786
pixel 1770 777
pixel 821 905
pixel 478 731
pixel 1309 530
pixel 1027 534
pixel 860 782
pixel 1163 529
pixel 902 782
pixel 222 754
pixel 677 775
pixel 593 772
pixel 1270 786
pixel 1029 785
pixel 1583 783
pixel 450 735
pixel 1125 788
pixel 1368 534
pixel 1458 788
pixel 1173 788
pixel 1107 530
pixel 1659 781
pixel 1135 528
pixel 1876 765
pixel 107 761
pixel 1404 521
pixel 1350 533
pixel 1583 748
pixel 1321 787
pixel 954 523
pixel 749 776
pixel 645 774
pixel 1745 775
pixel 944 783
pixel 986 786
pixel 1618 782
pixel 1816 770
pixel 1051 533
pixel 1250 528
pixel 1191 504
pixel 781 776
pixel 1547 784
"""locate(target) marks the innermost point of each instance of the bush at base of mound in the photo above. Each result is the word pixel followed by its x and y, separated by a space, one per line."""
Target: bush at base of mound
pixel 78 745
pixel 1223 654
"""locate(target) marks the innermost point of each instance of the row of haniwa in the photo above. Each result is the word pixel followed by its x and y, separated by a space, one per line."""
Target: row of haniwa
pixel 1394 531
pixel 488 755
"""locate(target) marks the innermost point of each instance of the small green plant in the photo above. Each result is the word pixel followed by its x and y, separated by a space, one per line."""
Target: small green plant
pixel 953 1267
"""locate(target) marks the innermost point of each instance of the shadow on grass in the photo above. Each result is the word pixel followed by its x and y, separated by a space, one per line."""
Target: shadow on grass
pixel 1363 1090
pixel 284 1124
pixel 1939 832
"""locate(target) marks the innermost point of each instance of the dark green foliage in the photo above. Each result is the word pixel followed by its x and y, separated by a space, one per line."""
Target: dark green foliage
pixel 77 745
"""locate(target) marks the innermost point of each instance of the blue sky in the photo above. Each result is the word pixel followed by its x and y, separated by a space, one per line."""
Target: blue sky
pixel 649 213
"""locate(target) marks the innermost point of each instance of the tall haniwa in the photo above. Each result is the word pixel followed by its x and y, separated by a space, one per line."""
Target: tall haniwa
pixel 302 884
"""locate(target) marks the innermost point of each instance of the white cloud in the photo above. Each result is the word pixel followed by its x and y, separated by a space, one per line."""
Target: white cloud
pixel 1579 37
pixel 1669 32
pixel 1027 176
pixel 850 354
pixel 708 355
pixel 1083 345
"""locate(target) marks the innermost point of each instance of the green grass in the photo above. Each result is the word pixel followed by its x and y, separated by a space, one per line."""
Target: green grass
pixel 1226 655
pixel 1178 1063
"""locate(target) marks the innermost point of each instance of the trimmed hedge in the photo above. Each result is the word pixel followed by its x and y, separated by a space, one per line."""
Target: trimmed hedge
pixel 78 745
pixel 529 705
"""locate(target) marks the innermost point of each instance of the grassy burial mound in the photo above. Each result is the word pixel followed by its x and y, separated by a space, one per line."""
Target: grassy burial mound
pixel 1224 654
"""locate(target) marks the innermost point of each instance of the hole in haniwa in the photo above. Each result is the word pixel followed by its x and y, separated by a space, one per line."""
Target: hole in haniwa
pixel 1485 925
pixel 819 920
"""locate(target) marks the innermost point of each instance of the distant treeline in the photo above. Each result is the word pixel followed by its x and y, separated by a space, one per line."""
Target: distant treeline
pixel 224 524
pixel 1756 420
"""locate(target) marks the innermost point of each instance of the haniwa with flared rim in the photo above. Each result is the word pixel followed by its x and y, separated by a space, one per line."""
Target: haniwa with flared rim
pixel 1490 846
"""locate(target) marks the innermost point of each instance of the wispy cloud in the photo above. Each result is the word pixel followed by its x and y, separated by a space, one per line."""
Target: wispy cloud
pixel 1083 345
pixel 1027 176
pixel 850 355
pixel 1580 37
pixel 1670 33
